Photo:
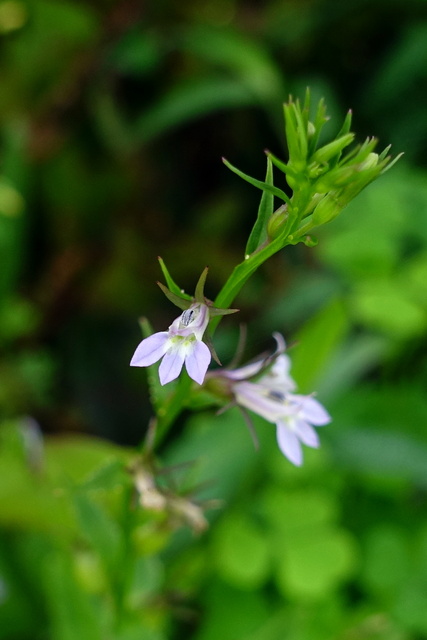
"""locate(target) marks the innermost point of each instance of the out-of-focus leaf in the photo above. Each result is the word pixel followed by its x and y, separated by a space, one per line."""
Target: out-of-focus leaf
pixel 72 613
pixel 232 614
pixel 28 503
pixel 193 99
pixel 353 360
pixel 137 53
pixel 235 540
pixel 313 566
pixel 385 305
pixel 380 453
pixel 238 54
pixel 81 458
pixel 317 341
pixel 100 531
pixel 386 561
pixel 223 449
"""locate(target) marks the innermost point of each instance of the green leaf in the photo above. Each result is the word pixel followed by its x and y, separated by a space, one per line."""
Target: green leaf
pixel 100 530
pixel 245 59
pixel 312 566
pixel 317 342
pixel 190 100
pixel 275 191
pixel 72 614
pixel 265 210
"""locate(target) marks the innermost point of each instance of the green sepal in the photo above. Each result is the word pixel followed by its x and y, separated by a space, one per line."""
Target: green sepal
pixel 388 165
pixel 199 294
pixel 332 149
pixel 177 300
pixel 346 125
pixel 319 121
pixel 208 341
pixel 172 286
pixel 258 183
pixel 213 311
pixel 265 210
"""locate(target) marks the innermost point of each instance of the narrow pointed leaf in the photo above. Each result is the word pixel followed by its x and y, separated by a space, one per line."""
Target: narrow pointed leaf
pixel 258 183
pixel 280 164
pixel 173 287
pixel 265 210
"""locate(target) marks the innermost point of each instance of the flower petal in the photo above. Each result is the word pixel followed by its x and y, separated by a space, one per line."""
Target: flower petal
pixel 253 396
pixel 150 350
pixel 197 361
pixel 242 373
pixel 289 444
pixel 314 412
pixel 171 365
pixel 306 433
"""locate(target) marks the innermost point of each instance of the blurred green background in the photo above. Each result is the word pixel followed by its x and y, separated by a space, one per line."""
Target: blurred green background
pixel 114 115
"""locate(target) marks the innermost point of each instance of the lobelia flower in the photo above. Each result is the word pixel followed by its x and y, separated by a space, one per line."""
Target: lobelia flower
pixel 271 396
pixel 187 341
pixel 181 344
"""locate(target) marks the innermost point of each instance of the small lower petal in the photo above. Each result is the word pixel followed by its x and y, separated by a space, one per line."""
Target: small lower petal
pixel 289 444
pixel 171 366
pixel 150 350
pixel 197 361
pixel 314 412
pixel 306 434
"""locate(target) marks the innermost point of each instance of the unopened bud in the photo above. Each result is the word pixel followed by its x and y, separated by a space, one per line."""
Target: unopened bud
pixel 370 162
pixel 277 221
pixel 328 151
pixel 327 209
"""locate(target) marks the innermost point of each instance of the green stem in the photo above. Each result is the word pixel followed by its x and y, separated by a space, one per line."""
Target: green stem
pixel 238 278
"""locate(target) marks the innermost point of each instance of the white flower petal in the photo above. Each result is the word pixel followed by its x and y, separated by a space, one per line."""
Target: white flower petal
pixel 314 412
pixel 306 434
pixel 278 377
pixel 171 365
pixel 197 361
pixel 253 396
pixel 289 444
pixel 242 373
pixel 150 350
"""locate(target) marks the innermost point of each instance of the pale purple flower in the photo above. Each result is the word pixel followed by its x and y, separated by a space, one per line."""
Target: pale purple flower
pixel 267 389
pixel 181 344
pixel 292 414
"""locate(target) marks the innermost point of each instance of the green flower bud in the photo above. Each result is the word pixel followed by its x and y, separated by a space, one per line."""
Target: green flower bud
pixel 370 162
pixel 277 222
pixel 334 148
pixel 327 209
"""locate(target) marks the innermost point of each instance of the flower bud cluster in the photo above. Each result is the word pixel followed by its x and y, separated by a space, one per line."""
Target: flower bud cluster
pixel 323 178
